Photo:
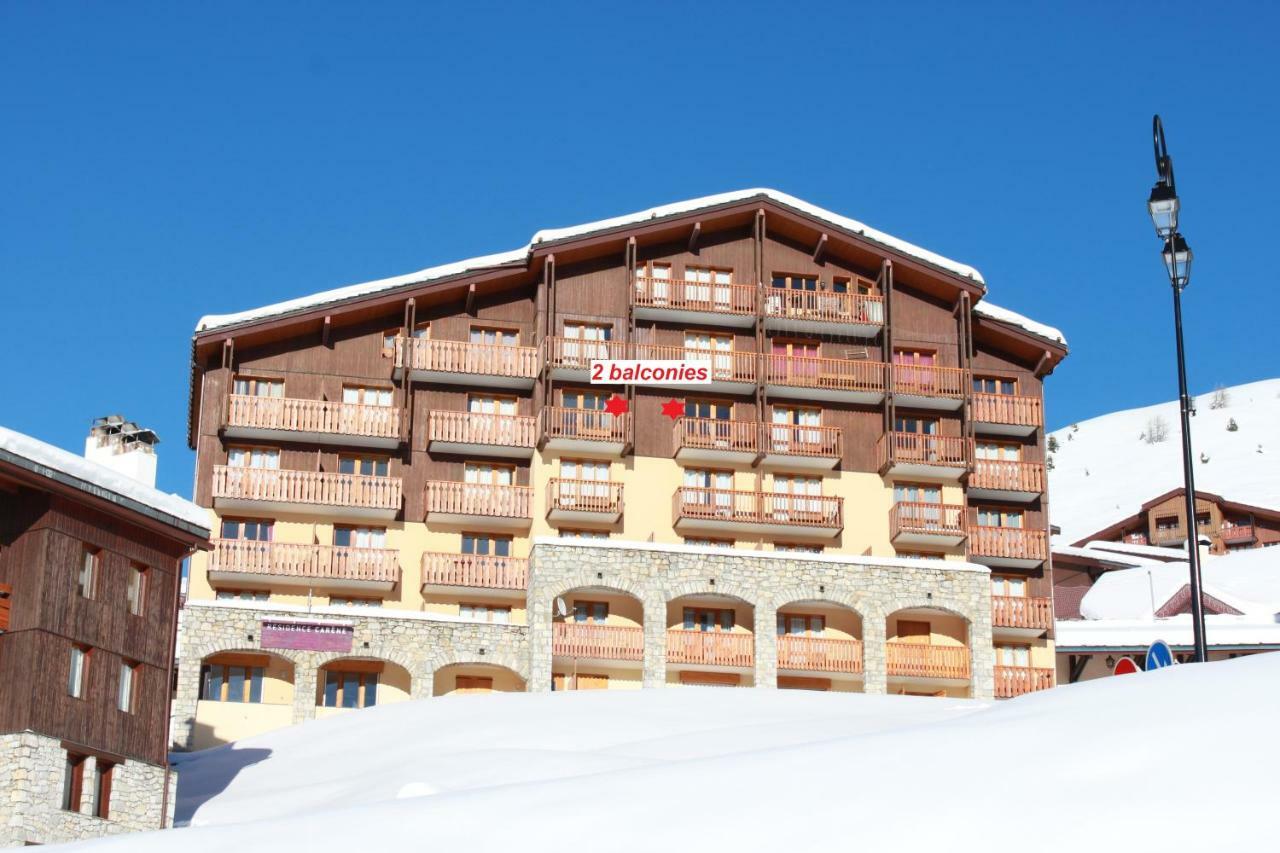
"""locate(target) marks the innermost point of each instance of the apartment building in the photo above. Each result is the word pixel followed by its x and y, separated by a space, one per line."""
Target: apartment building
pixel 396 470
pixel 1225 525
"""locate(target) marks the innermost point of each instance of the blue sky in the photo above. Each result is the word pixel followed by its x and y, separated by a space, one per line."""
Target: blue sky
pixel 161 161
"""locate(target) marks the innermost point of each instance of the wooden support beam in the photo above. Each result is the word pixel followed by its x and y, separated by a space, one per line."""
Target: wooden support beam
pixel 1040 365
pixel 693 237
pixel 326 330
pixel 229 353
pixel 820 249
pixel 471 299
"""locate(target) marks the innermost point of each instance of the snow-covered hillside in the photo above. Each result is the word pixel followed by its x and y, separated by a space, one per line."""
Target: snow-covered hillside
pixel 1104 471
pixel 1087 766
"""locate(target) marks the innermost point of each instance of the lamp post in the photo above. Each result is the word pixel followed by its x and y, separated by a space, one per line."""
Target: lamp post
pixel 1163 206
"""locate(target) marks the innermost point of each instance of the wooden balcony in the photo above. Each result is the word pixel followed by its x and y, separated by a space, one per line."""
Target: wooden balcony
pixel 710 648
pixel 696 510
pixel 1019 547
pixel 1136 539
pixel 678 301
pixel 304 565
pixel 476 434
pixel 732 371
pixel 583 501
pixel 1169 535
pixel 1016 680
pixel 570 358
pixel 486 504
pixel 837 379
pixel 1027 616
pixel 465 363
pixel 924 660
pixel 819 654
pixel 909 454
pixel 587 431
pixel 261 490
pixel 855 314
pixel 926 524
pixel 318 421
pixel 1007 414
pixel 588 641
pixel 716 441
pixel 928 386
pixel 499 576
pixel 1006 480
pixel 800 447
pixel 1236 534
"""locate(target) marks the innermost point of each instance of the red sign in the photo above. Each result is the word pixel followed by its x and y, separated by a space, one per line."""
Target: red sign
pixel 1125 666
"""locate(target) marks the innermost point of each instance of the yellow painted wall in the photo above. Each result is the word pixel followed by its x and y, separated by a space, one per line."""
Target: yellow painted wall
pixel 504 680
pixel 619 678
pixel 945 629
pixel 222 722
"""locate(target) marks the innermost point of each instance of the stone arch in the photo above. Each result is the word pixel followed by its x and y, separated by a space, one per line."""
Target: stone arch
pixel 722 588
pixel 888 607
pixel 392 685
pixel 586 578
pixel 490 669
pixel 441 658
pixel 380 652
pixel 819 592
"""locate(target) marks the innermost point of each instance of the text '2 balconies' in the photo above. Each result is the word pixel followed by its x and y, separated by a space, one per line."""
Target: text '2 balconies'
pixel 318 421
pixel 304 565
pixel 259 490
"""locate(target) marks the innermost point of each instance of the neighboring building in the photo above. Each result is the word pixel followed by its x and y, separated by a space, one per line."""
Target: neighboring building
pixel 90 564
pixel 1162 522
pixel 381 459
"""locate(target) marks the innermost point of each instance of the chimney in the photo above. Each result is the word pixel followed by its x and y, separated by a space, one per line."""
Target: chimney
pixel 124 447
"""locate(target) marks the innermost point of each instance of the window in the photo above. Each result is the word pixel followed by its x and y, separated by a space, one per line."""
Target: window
pixel 586 341
pixel 488 404
pixel 715 410
pixel 709 543
pixel 1203 520
pixel 789 491
pixel 787 281
pixel 103 771
pixel 912 631
pixel 714 348
pixel 242 595
pixel 653 278
pixel 997 517
pixel 421 332
pixel 137 591
pixel 566 533
pixel 233 679
pixel 485 613
pixel 591 611
pixel 349 687
pixel 359 537
pixel 920 555
pixel 707 488
pixel 354 602
pixel 126 694
pixel 494 336
pixel 783 436
pixel 73 782
pixel 473 684
pixel 792 358
pixel 369 466
pixel 917 493
pixel 87 581
pixel 704 284
pixel 486 544
pixel 996 450
pixel 799 624
pixel 1167 522
pixel 254 457
pixel 798 547
pixel 924 358
pixel 489 474
pixel 994 385
pixel 1006 585
pixel 364 395
pixel 573 398
pixel 592 480
pixel 78 673
pixel 580 681
pixel 253 530
pixel 1012 654
pixel 708 619
pixel 252 387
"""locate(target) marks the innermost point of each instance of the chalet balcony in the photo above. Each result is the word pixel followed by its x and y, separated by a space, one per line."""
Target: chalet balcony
pixel 837 379
pixel 264 490
pixel 587 641
pixel 819 654
pixel 926 524
pixel 1169 535
pixel 1016 680
pixel 711 648
pixel 488 505
pixel 585 431
pixel 483 575
pixel 699 510
pixel 732 371
pixel 1021 615
pixel 1237 534
pixel 907 660
pixel 678 301
pixel 476 434
pixel 463 363
pixel 854 314
pixel 817 448
pixel 1136 539
pixel 908 454
pixel 1007 414
pixel 1017 547
pixel 316 421
pixel 1006 480
pixel 716 441
pixel 592 502
pixel 304 565
pixel 922 386
pixel 570 358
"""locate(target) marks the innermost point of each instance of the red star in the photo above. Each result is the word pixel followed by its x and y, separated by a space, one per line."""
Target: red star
pixel 616 405
pixel 673 409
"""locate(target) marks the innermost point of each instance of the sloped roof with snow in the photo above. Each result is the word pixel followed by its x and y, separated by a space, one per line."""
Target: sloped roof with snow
pixel 1013 318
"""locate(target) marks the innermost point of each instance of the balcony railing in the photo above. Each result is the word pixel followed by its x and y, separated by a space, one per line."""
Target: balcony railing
pixel 912 448
pixel 584 425
pixel 1237 533
pixel 319 562
pixel 825 306
pixel 924 380
pixel 926 518
pixel 289 414
pixel 478 428
pixel 820 654
pixel 1135 539
pixel 481 571
pixel 1021 611
pixel 604 642
pixel 1016 680
pixel 758 507
pixel 595 496
pixel 306 487
pixel 449 497
pixel 835 374
pixel 1010 409
pixel 725 365
pixel 578 354
pixel 714 648
pixel 714 434
pixel 1007 475
pixel 680 295
pixel 1013 543
pixel 1169 534
pixel 793 440
pixel 438 356
pixel 924 660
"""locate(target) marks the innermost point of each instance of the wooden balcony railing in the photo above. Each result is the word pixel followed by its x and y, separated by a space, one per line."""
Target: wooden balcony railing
pixel 923 380
pixel 1007 475
pixel 306 487
pixel 941 519
pixel 758 507
pixel 599 496
pixel 1009 409
pixel 924 660
pixel 480 499
pixel 1016 680
pixel 315 416
pixel 584 424
pixel 605 642
pixel 482 571
pixel 820 654
pixel 1135 539
pixel 913 448
pixel 726 365
pixel 715 648
pixel 838 374
pixel 464 357
pixel 578 354
pixel 1015 543
pixel 477 428
pixel 1237 533
pixel 1021 611
pixel 713 434
pixel 1169 534
pixel 682 295
pixel 321 562
pixel 794 440
pixel 825 306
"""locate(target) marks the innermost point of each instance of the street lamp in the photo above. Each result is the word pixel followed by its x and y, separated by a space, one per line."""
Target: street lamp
pixel 1163 207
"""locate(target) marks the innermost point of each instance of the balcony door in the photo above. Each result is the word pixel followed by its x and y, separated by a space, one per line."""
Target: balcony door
pixel 709 488
pixel 487 485
pixel 802 298
pixel 710 422
pixel 713 348
pixel 655 278
pixel 997 451
pixel 492 417
pixel 795 358
pixel 708 619
pixel 359 537
pixel 1000 517
pixel 994 385
pixel 924 503
pixel 801 625
pixel 796 496
pixel 589 417
pixel 916 439
pixel 248 386
pixel 585 479
pixel 1012 654
pixel 787 417
pixel 585 342
pixel 912 368
pixel 708 286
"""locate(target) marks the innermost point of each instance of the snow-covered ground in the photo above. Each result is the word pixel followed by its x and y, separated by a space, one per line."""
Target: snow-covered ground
pixel 1180 759
pixel 1103 471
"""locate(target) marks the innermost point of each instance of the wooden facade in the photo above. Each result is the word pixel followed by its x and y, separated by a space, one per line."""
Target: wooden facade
pixel 1162 521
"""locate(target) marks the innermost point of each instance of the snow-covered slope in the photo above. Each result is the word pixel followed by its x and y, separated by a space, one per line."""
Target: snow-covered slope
pixel 1103 471
pixel 1083 767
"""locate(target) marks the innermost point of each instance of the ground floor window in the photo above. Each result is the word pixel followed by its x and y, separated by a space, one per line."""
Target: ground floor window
pixel 102 789
pixel 228 682
pixel 349 689
pixel 73 782
pixel 584 681
pixel 473 684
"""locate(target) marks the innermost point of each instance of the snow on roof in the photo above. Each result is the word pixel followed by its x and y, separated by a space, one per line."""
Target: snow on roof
pixel 215 321
pixel 1138 553
pixel 1013 318
pixel 1103 472
pixel 49 461
pixel 1138 634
